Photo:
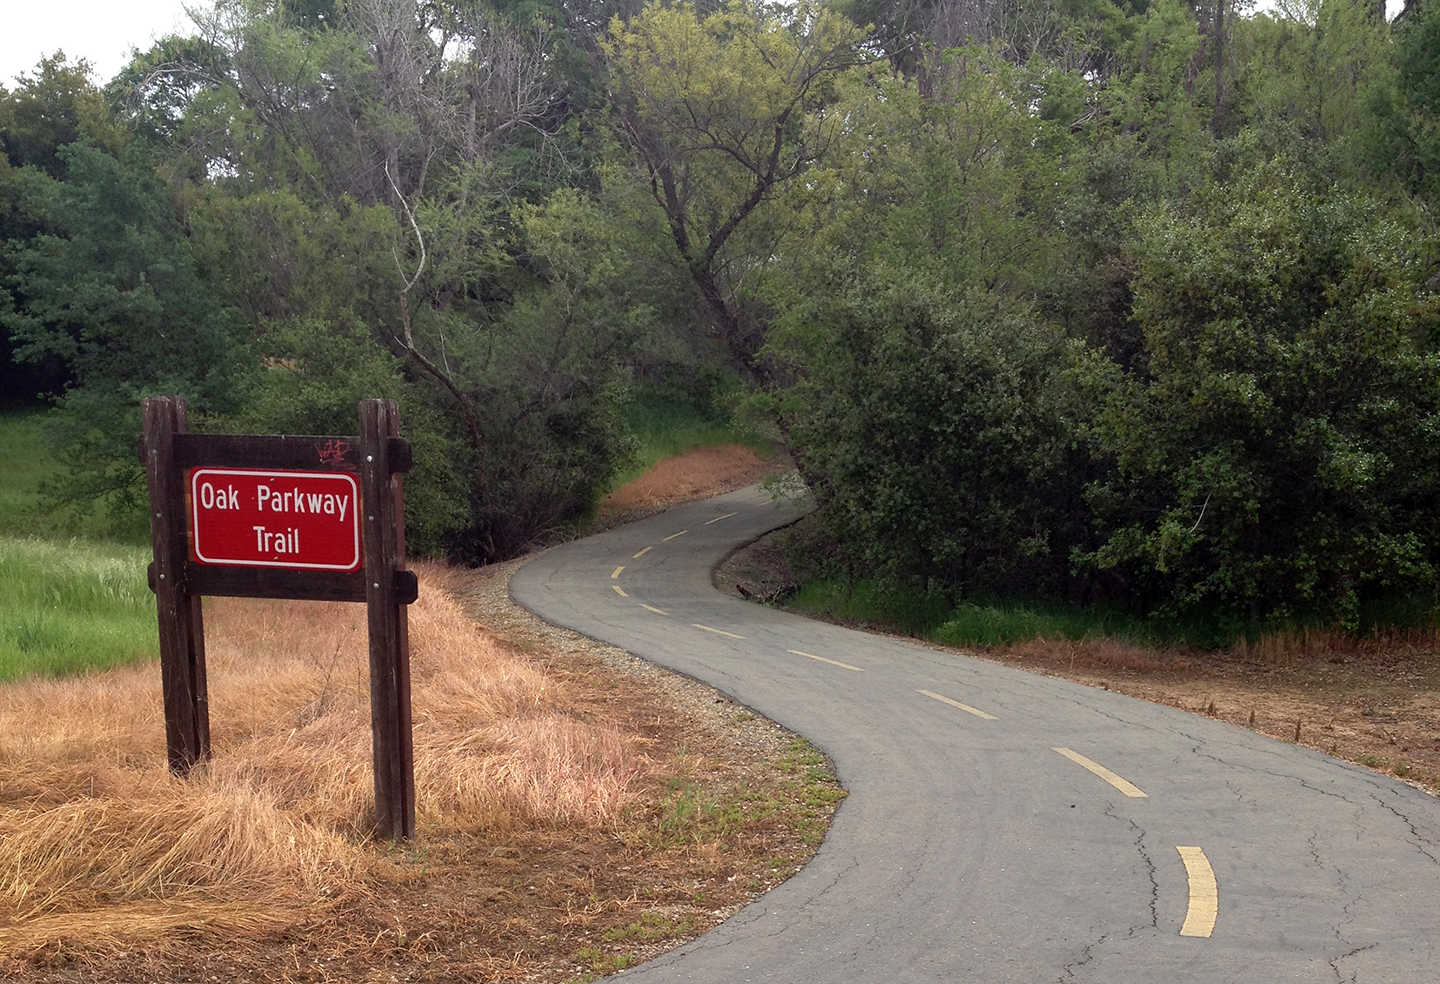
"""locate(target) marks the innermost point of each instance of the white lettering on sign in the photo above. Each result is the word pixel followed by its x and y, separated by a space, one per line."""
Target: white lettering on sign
pixel 226 498
pixel 269 542
pixel 283 518
pixel 296 501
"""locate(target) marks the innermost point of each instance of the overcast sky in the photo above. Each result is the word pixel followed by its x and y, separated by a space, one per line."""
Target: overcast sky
pixel 104 31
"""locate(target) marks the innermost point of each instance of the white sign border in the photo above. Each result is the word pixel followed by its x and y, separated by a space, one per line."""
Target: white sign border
pixel 194 511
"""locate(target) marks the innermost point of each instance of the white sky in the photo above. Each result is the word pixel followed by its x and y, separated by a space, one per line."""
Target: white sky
pixel 103 31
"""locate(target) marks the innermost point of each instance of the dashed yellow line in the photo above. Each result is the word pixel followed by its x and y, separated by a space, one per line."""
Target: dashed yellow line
pixel 651 608
pixel 1125 787
pixel 616 573
pixel 718 518
pixel 619 590
pixel 717 631
pixel 832 662
pixel 955 703
pixel 641 553
pixel 1204 896
pixel 673 536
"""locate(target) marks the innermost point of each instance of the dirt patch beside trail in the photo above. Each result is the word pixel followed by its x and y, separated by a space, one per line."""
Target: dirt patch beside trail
pixel 697 474
pixel 1375 703
pixel 1379 709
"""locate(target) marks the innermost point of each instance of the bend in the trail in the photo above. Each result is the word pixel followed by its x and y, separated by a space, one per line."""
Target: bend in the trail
pixel 1003 826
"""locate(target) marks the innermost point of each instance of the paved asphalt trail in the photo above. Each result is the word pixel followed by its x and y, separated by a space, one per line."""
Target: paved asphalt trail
pixel 970 849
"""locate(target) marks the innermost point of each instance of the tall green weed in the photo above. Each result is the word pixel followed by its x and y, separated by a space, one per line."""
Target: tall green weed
pixel 72 607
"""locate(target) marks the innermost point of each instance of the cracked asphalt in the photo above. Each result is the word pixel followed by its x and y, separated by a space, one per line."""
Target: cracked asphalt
pixel 969 850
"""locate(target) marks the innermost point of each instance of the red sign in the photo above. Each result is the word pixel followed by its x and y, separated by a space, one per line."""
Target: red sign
pixel 293 519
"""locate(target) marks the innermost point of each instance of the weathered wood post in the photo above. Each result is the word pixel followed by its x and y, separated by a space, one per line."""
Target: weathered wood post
pixel 384 539
pixel 182 630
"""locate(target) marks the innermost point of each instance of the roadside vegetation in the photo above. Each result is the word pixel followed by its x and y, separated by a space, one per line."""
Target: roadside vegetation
pixel 666 426
pixel 571 819
pixel 72 606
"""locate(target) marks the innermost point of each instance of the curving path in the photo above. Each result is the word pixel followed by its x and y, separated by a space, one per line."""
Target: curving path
pixel 1003 826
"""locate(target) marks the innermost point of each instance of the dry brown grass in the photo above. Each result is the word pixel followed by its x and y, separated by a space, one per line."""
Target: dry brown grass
pixel 98 842
pixel 1097 654
pixel 1382 645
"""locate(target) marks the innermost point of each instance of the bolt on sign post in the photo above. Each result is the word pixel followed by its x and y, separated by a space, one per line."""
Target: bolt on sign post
pixel 261 516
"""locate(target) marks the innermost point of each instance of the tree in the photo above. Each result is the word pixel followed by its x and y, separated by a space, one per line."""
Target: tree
pixel 364 176
pixel 51 107
pixel 713 111
pixel 1311 64
pixel 112 290
pixel 1404 142
pixel 931 411
pixel 1277 459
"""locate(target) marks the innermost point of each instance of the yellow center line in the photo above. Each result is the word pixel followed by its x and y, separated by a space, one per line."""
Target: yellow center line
pixel 1125 787
pixel 616 572
pixel 832 662
pixel 716 631
pixel 642 553
pixel 619 590
pixel 1204 896
pixel 673 536
pixel 955 703
pixel 649 608
pixel 718 518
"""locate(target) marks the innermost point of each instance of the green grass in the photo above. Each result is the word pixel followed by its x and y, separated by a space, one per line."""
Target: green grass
pixel 26 463
pixel 868 603
pixel 663 428
pixel 996 623
pixel 1003 623
pixel 652 926
pixel 69 607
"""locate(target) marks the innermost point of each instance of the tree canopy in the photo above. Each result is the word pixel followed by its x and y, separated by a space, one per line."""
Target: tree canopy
pixel 1134 302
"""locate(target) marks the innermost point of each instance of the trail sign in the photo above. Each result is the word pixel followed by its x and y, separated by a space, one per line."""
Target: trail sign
pixel 274 516
pixel 291 519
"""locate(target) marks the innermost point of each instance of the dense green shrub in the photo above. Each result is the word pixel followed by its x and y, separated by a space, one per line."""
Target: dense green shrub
pixel 1279 455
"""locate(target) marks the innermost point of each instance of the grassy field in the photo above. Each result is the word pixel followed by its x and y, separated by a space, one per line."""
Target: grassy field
pixel 69 607
pixel 664 428
pixel 69 602
pixel 24 464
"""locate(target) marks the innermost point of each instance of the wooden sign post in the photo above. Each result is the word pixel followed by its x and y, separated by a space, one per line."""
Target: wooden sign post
pixel 283 517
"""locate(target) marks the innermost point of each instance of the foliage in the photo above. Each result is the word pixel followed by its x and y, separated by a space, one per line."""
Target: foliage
pixel 721 113
pixel 112 291
pixel 1404 134
pixel 1280 456
pixel 939 444
pixel 931 413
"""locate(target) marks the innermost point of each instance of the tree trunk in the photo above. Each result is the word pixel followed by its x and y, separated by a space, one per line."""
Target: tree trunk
pixel 1217 121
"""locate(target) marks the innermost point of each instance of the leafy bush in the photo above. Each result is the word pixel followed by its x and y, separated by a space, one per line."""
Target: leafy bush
pixel 1279 453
